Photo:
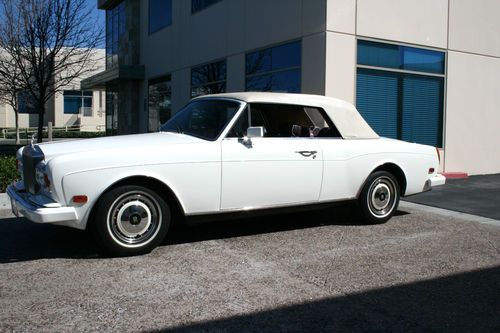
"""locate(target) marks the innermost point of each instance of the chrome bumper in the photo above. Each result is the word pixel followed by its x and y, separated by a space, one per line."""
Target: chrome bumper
pixel 22 205
pixel 435 180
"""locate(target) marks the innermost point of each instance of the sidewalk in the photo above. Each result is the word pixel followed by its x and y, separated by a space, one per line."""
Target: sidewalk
pixel 5 205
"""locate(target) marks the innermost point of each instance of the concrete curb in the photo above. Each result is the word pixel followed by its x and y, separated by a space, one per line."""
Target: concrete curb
pixel 5 209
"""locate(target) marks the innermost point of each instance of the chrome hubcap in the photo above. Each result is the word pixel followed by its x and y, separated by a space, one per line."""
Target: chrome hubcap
pixel 382 196
pixel 134 218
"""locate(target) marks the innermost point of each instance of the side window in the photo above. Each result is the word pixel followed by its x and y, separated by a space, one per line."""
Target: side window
pixel 284 120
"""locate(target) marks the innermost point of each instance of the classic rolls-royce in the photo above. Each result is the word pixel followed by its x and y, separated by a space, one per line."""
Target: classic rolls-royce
pixel 221 154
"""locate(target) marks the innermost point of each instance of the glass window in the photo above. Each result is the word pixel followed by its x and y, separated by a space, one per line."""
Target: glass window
pixel 400 57
pixel 26 103
pixel 197 5
pixel 205 119
pixel 401 104
pixel 160 102
pixel 160 14
pixel 283 120
pixel 115 32
pixel 111 111
pixel 76 101
pixel 208 79
pixel 274 69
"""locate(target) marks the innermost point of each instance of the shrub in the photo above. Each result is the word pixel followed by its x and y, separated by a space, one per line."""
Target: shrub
pixel 60 134
pixel 8 171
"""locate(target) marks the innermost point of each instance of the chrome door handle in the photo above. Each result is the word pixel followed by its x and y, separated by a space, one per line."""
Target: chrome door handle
pixel 307 153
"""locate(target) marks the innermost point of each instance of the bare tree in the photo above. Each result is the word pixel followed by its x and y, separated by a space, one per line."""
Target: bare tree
pixel 11 86
pixel 51 43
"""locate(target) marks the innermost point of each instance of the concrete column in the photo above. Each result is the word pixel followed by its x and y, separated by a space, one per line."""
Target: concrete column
pixel 236 73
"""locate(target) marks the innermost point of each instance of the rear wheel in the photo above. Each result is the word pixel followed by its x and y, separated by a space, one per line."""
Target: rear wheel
pixel 130 220
pixel 379 198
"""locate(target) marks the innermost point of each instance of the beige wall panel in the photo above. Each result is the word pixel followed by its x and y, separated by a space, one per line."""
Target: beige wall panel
pixel 475 26
pixel 341 16
pixel 421 22
pixel 340 66
pixel 473 116
pixel 313 64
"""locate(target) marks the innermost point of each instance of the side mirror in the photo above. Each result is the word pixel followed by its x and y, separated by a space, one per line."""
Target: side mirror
pixel 253 132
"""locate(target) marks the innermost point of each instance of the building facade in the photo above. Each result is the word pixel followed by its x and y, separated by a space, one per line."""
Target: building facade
pixel 425 71
pixel 71 106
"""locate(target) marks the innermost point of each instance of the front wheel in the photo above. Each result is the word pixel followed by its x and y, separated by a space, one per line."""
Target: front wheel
pixel 130 220
pixel 379 198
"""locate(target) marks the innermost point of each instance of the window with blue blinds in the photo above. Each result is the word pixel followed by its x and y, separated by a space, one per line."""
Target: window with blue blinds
pixel 422 105
pixel 377 101
pixel 399 104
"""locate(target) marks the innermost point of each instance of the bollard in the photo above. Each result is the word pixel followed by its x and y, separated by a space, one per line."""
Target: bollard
pixel 49 131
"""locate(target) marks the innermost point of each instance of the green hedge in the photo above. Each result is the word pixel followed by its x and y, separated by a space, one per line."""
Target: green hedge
pixel 8 171
pixel 60 134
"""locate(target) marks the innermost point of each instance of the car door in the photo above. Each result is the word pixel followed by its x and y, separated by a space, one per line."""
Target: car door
pixel 274 170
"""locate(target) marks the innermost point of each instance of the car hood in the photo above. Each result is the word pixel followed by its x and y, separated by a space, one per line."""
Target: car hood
pixel 132 142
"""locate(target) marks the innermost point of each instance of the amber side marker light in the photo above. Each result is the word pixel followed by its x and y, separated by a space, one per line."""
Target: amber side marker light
pixel 80 199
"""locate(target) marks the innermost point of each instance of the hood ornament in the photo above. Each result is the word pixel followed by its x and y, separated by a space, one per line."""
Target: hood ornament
pixel 33 138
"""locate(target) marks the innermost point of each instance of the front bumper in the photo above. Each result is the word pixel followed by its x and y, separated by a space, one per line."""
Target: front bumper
pixel 25 204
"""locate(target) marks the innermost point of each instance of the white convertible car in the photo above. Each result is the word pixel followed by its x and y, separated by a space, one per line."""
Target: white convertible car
pixel 220 154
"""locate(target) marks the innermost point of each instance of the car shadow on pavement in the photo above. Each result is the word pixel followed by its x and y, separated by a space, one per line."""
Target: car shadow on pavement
pixel 466 302
pixel 342 214
pixel 21 240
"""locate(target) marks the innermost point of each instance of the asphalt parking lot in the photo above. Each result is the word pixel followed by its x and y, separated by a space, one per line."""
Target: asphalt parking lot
pixel 317 271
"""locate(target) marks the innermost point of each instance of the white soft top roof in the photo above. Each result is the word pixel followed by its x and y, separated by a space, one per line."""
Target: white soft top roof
pixel 343 114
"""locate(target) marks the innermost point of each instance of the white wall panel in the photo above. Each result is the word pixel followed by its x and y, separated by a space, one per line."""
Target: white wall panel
pixel 421 22
pixel 340 66
pixel 473 114
pixel 475 26
pixel 341 16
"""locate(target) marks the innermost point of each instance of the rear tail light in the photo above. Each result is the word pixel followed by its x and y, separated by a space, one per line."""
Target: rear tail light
pixel 431 171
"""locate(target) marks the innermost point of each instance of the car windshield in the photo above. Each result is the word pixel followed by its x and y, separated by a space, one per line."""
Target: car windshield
pixel 205 119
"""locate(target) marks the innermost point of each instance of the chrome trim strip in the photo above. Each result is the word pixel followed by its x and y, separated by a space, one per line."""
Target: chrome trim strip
pixel 256 208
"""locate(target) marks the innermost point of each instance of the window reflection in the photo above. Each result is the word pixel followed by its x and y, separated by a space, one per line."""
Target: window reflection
pixel 76 101
pixel 274 69
pixel 400 57
pixel 115 31
pixel 208 79
pixel 160 14
pixel 159 102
